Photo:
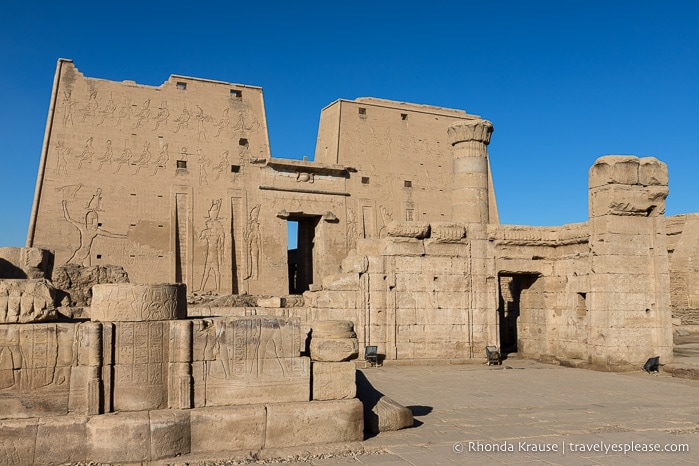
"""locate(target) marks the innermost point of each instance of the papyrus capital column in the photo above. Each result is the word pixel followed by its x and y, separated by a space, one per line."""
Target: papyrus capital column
pixel 469 140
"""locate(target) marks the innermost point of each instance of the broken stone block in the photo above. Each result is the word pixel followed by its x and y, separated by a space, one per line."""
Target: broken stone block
pixel 447 232
pixel 389 415
pixel 417 230
pixel 127 302
pixel 24 301
pixel 333 380
pixel 75 282
pixel 334 349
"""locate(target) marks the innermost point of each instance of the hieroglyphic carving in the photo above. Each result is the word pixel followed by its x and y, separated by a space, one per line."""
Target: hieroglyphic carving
pixel 305 177
pixel 89 230
pixel 351 229
pixel 386 217
pixel 252 241
pixel 128 302
pixel 140 365
pixel 124 113
pixel 214 236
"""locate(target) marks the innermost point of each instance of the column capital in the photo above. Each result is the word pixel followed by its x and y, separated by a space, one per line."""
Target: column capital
pixel 472 130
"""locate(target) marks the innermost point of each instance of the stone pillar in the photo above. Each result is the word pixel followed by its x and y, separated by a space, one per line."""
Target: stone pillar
pixel 470 171
pixel 629 302
pixel 333 345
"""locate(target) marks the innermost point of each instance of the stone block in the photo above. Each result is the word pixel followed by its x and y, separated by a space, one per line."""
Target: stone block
pixel 447 249
pixel 229 428
pixel 333 380
pixel 269 302
pixel 132 431
pixel 388 415
pixel 402 247
pixel 61 439
pixel 614 169
pixel 18 441
pixel 26 301
pixel 355 264
pixel 447 232
pixel 341 282
pixel 295 424
pixel 169 433
pixel 625 200
pixel 333 329
pixel 336 299
pixel 417 230
pixel 25 263
pixel 334 349
pixel 127 302
pixel 652 172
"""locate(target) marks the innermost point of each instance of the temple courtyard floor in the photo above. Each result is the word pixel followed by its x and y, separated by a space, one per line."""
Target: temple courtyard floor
pixel 522 412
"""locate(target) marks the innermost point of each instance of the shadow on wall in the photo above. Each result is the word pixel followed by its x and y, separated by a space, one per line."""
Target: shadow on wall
pixel 10 270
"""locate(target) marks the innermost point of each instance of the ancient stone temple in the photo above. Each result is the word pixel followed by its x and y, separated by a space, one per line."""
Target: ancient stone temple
pixel 398 229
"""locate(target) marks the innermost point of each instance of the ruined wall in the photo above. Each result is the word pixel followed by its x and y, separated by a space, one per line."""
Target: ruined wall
pixel 683 250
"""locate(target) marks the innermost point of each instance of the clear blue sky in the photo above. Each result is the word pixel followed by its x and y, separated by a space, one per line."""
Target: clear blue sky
pixel 563 82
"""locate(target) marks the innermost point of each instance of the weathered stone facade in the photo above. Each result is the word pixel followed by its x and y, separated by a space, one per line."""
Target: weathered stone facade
pixel 176 183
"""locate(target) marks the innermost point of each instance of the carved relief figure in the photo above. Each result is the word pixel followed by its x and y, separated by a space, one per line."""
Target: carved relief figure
pixel 124 158
pixel 107 112
pixel 124 113
pixel 203 163
pixel 242 126
pixel 107 156
pixel 223 123
pixel 214 237
pixel 90 107
pixel 162 160
pixel 95 202
pixel 222 166
pixel 143 160
pixel 61 163
pixel 68 105
pixel 89 230
pixel 269 336
pixel 182 121
pixel 144 114
pixel 252 241
pixel 201 118
pixel 87 153
pixel 162 115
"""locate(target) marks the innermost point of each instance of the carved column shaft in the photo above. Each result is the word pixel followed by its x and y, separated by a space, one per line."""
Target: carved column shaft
pixel 469 141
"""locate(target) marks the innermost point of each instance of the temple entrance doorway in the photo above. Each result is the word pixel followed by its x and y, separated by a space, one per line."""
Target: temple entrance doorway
pixel 302 230
pixel 511 286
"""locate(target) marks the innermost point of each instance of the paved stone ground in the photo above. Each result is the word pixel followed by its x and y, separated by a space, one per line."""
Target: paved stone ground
pixel 465 413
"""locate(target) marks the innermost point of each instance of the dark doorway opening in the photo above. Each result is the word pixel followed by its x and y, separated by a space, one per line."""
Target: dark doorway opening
pixel 300 258
pixel 511 286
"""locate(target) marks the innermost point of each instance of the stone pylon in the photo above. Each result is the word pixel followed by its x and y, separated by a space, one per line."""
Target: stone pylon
pixel 629 302
pixel 470 196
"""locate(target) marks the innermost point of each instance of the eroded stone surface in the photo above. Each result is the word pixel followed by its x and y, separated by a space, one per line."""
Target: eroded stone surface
pixel 74 282
pixel 122 302
pixel 24 301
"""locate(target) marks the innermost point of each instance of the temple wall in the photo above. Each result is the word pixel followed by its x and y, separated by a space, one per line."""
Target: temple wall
pixel 683 251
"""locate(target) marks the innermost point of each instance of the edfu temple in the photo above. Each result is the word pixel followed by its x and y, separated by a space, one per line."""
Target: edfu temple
pixel 157 300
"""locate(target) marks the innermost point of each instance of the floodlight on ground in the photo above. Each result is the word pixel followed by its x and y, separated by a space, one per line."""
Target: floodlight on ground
pixel 492 354
pixel 652 364
pixel 371 355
